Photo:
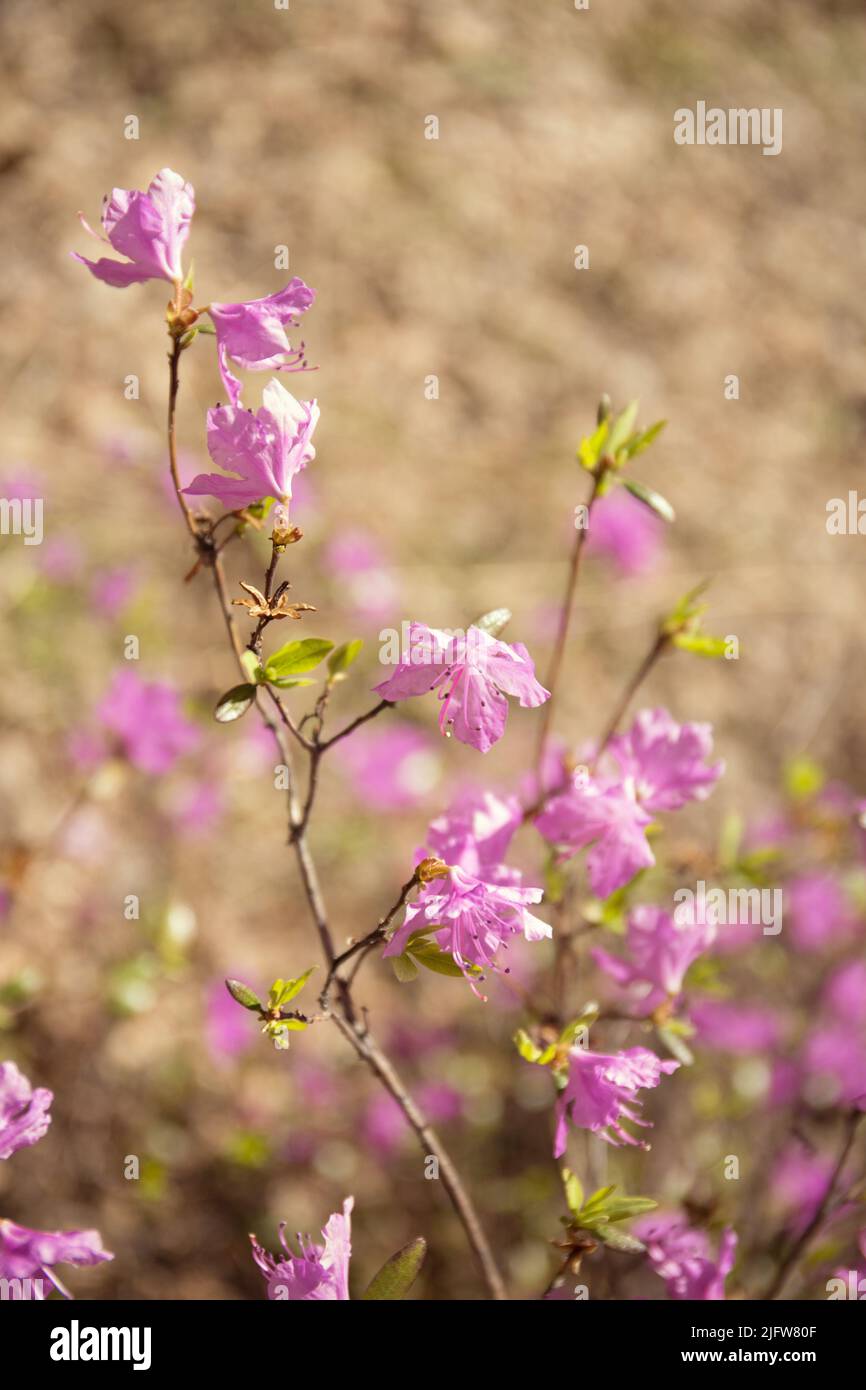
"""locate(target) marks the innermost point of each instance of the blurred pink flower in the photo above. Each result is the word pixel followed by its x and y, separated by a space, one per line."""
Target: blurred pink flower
pixel 801 1179
pixel 367 582
pixel 391 768
pixel 24 1116
pixel 601 1093
pixel 736 1027
pixel 681 1256
pixel 196 807
pixel 266 450
pixel 319 1272
pixel 818 911
pixel 660 951
pixel 112 590
pixel 384 1124
pixel 476 830
pixel 844 994
pixel 60 559
pixel 473 672
pixel 666 760
pixel 150 229
pixel 626 531
pixel 253 333
pixel 26 1254
pixel 227 1028
pixel 146 719
pixel 834 1058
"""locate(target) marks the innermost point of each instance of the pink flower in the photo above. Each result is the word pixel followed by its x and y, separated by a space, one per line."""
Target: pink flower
pixel 366 579
pixel 611 820
pixel 660 767
pixel 145 719
pixel 26 1254
pixel 835 1062
pixel 266 450
pixel 737 1027
pixel 681 1256
pixel 818 910
pixel 319 1272
pixel 665 760
pixel 601 1092
pixel 253 334
pixel 150 229
pixel 475 832
pixel 112 590
pixel 391 769
pixel 844 994
pixel 626 531
pixel 473 672
pixel 24 1116
pixel 801 1180
pixel 661 951
pixel 226 1026
pixel 471 919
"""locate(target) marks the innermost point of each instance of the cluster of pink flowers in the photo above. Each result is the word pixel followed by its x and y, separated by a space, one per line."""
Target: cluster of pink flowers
pixel 264 450
pixel 26 1256
pixel 657 766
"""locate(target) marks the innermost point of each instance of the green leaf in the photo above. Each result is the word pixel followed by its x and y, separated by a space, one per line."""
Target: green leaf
pixel 585 1019
pixel 250 663
pixel 624 1208
pixel 404 968
pixel 573 1190
pixel 342 658
pixel 289 683
pixel 189 282
pixel 204 327
pixel 621 429
pixel 234 703
pixel 654 500
pixel 675 1045
pixel 494 622
pixel 244 995
pixel 589 450
pixel 295 658
pixel 596 1202
pixel 700 643
pixel 398 1274
pixel 525 1046
pixel 296 1025
pixel 427 953
pixel 619 1240
pixel 284 991
pixel 639 442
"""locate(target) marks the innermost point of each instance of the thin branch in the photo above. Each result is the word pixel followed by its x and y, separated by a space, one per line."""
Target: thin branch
pixel 660 645
pixel 344 1013
pixel 821 1214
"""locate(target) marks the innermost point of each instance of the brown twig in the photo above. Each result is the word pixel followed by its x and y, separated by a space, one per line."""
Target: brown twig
pixel 343 1014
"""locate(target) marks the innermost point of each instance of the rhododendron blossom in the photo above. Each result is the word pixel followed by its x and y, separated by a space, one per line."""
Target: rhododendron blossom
pixel 319 1271
pixel 146 720
pixel 32 1255
pixel 253 334
pixel 150 229
pixel 601 1093
pixel 472 919
pixel 264 450
pixel 24 1116
pixel 682 1257
pixel 660 767
pixel 660 951
pixel 475 832
pixel 472 672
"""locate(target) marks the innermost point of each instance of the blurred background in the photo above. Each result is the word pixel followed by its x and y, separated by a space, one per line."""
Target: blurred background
pixel 450 258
